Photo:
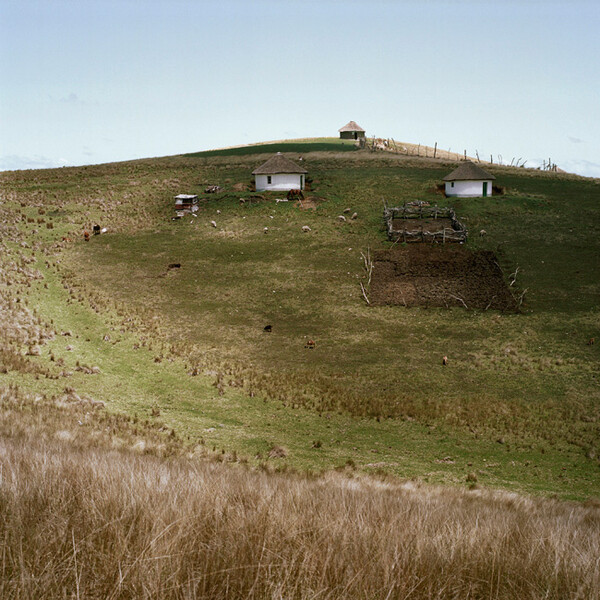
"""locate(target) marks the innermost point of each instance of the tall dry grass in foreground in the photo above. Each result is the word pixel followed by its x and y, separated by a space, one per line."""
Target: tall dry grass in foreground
pixel 81 521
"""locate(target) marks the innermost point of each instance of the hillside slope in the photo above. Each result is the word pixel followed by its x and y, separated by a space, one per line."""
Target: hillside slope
pixel 517 403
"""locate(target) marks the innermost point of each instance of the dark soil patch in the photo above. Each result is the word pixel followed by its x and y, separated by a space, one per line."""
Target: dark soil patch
pixel 435 275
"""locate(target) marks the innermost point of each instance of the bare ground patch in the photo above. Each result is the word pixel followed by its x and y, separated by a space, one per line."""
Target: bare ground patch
pixel 309 202
pixel 434 275
pixel 426 225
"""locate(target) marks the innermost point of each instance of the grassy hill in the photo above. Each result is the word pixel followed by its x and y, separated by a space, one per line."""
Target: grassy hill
pixel 516 407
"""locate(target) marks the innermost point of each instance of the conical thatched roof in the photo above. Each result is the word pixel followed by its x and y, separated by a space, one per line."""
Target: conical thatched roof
pixel 278 164
pixel 468 171
pixel 351 126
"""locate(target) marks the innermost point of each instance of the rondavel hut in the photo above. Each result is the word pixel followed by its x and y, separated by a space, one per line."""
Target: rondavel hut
pixel 279 173
pixel 351 131
pixel 469 181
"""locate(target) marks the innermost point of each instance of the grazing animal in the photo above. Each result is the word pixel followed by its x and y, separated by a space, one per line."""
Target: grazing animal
pixel 306 228
pixel 96 229
pixel 86 236
pixel 213 223
pixel 310 344
pixel 295 194
pixel 268 328
pixel 444 360
pixel 174 266
pixel 591 341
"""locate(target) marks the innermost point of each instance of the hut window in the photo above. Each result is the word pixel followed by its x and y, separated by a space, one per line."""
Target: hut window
pixel 268 179
pixel 451 185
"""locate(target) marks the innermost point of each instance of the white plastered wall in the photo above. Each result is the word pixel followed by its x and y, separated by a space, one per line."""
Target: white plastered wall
pixel 467 189
pixel 280 181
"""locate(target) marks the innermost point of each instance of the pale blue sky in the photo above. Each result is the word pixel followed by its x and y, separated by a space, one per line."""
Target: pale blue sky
pixel 91 81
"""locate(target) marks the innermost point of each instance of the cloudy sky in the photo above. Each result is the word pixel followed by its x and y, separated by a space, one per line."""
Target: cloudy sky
pixel 92 81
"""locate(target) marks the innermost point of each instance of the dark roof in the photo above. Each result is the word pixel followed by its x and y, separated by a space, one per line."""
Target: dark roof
pixel 351 126
pixel 278 164
pixel 468 171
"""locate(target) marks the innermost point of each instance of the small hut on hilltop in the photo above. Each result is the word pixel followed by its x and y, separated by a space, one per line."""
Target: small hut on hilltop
pixel 351 131
pixel 469 181
pixel 279 173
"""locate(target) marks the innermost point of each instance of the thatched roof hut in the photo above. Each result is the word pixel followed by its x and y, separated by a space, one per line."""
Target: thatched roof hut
pixel 469 180
pixel 351 131
pixel 279 173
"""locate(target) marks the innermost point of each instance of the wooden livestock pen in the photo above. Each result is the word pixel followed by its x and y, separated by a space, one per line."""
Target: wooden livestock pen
pixel 423 224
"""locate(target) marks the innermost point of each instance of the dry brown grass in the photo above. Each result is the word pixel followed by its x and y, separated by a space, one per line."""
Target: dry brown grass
pixel 83 520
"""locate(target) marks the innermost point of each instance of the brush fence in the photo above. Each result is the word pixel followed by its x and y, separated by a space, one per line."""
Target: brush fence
pixel 419 233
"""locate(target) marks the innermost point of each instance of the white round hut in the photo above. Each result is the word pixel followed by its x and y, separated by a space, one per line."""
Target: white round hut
pixel 279 173
pixel 469 181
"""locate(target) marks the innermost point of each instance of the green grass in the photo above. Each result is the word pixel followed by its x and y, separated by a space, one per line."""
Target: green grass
pixel 518 401
pixel 300 146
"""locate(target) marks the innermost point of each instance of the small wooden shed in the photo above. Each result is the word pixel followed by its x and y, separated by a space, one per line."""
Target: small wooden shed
pixel 351 131
pixel 279 173
pixel 469 181
pixel 185 201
